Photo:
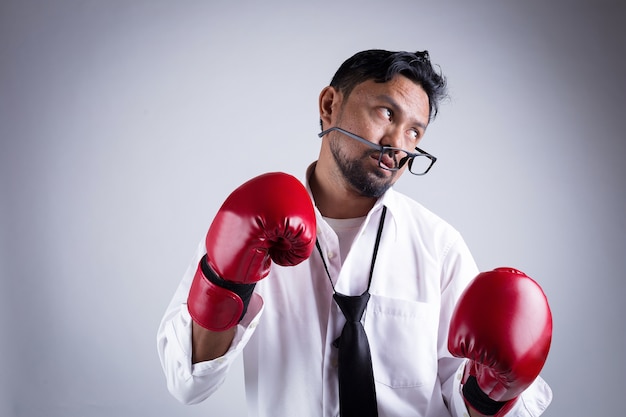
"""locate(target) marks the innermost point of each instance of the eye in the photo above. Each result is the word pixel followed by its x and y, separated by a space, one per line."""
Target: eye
pixel 414 136
pixel 387 113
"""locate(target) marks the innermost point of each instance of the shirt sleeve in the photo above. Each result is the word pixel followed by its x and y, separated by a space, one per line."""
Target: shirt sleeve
pixel 531 403
pixel 459 270
pixel 192 383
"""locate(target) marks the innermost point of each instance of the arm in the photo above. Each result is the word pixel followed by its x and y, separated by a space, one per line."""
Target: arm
pixel 190 381
pixel 208 345
pixel 458 270
pixel 269 218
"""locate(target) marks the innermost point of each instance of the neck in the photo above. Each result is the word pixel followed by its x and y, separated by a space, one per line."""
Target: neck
pixel 335 198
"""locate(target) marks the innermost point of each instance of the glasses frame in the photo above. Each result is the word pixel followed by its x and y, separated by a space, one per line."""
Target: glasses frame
pixel 382 149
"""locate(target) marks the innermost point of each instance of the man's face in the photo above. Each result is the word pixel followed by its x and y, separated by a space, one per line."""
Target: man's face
pixel 394 113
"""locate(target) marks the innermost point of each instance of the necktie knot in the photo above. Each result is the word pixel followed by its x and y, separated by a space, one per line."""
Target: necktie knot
pixel 352 306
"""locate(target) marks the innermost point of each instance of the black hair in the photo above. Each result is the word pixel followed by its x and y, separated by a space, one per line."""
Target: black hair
pixel 381 66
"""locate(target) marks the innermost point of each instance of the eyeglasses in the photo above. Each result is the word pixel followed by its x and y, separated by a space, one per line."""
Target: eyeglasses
pixel 392 159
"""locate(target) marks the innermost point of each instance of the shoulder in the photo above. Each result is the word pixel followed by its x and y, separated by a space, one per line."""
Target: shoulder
pixel 410 213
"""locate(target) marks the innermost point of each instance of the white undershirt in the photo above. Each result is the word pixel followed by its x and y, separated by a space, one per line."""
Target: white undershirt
pixel 346 230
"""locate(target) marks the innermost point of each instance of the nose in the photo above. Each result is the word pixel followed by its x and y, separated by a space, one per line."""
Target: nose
pixel 393 137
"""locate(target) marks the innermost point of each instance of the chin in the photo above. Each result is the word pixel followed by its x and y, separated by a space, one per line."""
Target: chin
pixel 374 188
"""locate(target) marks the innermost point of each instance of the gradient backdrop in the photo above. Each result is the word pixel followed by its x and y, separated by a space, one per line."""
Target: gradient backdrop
pixel 125 124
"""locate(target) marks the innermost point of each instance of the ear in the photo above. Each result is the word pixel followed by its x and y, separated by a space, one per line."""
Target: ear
pixel 329 105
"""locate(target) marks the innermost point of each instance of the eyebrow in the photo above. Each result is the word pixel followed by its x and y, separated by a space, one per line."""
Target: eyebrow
pixel 394 104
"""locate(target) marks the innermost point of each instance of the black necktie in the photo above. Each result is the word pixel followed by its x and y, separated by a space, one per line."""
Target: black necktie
pixel 357 392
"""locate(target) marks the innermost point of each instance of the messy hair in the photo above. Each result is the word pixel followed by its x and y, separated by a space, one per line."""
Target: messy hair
pixel 381 66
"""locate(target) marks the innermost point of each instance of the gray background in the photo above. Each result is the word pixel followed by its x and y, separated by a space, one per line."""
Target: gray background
pixel 125 124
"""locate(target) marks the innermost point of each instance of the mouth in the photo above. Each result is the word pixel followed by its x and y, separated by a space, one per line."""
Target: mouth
pixel 381 170
pixel 388 161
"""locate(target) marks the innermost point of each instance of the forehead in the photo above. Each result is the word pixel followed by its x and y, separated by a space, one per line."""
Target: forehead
pixel 400 91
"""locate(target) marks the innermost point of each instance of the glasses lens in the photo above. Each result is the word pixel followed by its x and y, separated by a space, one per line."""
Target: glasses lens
pixel 420 164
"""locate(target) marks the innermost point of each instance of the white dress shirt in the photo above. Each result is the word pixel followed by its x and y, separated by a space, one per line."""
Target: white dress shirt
pixel 286 337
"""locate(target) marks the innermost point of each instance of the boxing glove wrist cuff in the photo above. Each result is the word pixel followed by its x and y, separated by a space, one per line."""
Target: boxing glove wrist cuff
pixel 243 291
pixel 478 400
pixel 213 306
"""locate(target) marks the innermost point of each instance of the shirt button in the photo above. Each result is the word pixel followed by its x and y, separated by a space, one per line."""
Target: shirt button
pixel 331 254
pixel 334 363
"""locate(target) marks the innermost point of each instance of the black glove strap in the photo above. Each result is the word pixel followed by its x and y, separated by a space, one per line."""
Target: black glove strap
pixel 479 400
pixel 243 291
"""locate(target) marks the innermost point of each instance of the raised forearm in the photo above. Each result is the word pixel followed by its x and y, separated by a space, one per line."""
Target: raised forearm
pixel 207 345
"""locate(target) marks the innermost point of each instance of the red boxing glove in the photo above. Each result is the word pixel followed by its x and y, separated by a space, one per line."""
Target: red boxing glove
pixel 269 218
pixel 502 323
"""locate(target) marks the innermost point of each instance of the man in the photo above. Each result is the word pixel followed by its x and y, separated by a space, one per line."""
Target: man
pixel 359 239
